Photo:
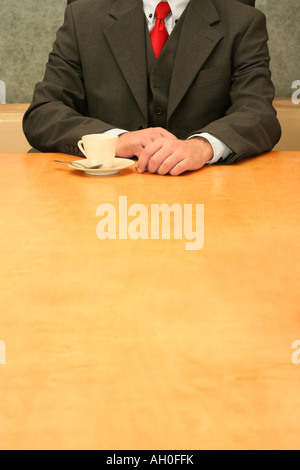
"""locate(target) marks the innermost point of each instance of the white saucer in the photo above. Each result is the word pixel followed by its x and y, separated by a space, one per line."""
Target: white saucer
pixel 118 165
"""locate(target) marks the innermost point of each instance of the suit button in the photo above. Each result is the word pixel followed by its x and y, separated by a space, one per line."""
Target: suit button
pixel 158 111
pixel 140 128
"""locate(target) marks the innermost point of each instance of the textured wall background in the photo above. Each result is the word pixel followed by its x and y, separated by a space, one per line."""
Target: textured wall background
pixel 28 28
pixel 27 32
pixel 283 20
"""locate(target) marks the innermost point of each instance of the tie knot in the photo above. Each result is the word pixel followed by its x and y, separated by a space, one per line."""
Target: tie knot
pixel 162 10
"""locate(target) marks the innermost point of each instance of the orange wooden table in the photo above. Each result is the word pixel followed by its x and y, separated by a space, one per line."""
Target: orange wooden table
pixel 142 344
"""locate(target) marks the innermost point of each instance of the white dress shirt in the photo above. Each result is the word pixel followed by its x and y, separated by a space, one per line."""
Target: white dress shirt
pixel 177 8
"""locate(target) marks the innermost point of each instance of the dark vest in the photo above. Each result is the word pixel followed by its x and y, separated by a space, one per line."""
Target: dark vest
pixel 160 75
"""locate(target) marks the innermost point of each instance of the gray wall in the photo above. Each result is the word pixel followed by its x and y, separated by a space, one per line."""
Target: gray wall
pixel 28 27
pixel 283 20
pixel 27 32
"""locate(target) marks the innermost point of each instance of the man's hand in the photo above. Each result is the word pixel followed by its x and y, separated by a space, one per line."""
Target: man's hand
pixel 174 156
pixel 159 151
pixel 133 143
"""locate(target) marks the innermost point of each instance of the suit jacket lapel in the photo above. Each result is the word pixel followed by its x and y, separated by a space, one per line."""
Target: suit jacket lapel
pixel 126 38
pixel 197 41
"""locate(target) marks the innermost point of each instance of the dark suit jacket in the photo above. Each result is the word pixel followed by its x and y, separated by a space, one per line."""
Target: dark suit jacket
pixel 96 77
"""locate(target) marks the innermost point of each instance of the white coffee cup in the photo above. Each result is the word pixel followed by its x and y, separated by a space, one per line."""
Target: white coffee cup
pixel 99 149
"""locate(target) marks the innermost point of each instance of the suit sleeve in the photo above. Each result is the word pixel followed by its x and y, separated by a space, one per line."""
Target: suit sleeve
pixel 58 115
pixel 250 126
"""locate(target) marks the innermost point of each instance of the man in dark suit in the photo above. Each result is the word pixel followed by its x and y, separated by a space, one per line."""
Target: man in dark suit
pixel 206 98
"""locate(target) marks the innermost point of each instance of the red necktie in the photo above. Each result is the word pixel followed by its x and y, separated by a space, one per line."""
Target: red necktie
pixel 159 33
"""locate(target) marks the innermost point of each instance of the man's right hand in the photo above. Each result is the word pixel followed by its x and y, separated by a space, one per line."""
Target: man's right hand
pixel 132 143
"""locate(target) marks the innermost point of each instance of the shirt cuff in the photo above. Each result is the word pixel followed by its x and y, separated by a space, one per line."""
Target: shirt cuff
pixel 221 151
pixel 115 131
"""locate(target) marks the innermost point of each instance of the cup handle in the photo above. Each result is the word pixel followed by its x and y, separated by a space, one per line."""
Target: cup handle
pixel 80 145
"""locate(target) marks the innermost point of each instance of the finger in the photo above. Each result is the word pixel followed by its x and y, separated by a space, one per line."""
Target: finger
pixel 181 167
pixel 147 153
pixel 132 143
pixel 170 163
pixel 162 161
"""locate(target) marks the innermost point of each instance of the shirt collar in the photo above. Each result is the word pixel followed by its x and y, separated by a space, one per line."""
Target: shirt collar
pixel 177 8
